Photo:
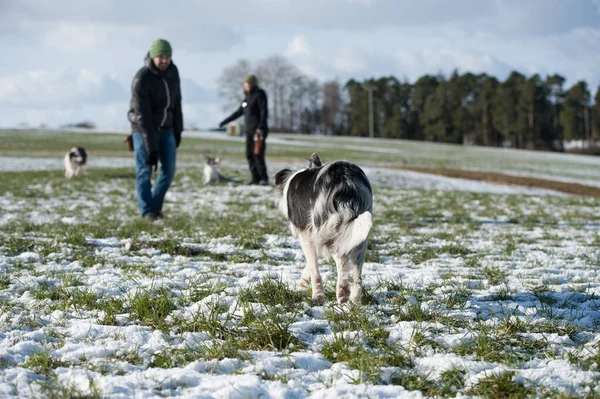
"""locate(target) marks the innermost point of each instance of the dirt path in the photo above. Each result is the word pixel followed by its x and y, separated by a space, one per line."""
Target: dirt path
pixel 492 177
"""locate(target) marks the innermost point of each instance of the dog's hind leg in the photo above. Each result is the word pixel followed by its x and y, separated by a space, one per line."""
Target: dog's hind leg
pixel 312 266
pixel 357 259
pixel 343 285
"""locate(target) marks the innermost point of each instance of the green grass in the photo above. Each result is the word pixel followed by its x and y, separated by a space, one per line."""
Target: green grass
pixel 502 386
pixel 494 275
pixel 171 358
pixel 274 292
pixel 269 331
pixel 53 389
pixel 358 318
pixel 4 281
pixel 412 381
pixel 111 308
pixel 506 347
pixel 43 362
pixel 151 306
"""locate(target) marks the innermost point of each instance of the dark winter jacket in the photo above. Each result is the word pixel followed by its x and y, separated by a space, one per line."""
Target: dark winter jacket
pixel 255 111
pixel 155 103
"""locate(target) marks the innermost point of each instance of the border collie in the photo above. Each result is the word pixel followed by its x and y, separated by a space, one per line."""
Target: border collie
pixel 74 161
pixel 211 171
pixel 330 210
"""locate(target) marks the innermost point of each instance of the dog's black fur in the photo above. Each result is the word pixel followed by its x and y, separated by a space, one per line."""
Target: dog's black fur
pixel 74 161
pixel 330 208
pixel 78 152
pixel 339 184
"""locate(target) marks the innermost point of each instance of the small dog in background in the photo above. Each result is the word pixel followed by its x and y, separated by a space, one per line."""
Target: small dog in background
pixel 211 171
pixel 74 161
pixel 330 210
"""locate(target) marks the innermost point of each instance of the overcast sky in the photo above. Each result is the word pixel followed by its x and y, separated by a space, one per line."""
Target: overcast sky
pixel 68 60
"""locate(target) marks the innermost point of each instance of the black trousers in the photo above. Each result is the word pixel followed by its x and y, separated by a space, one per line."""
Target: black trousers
pixel 256 163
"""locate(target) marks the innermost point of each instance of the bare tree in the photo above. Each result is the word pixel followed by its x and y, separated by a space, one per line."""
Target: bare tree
pixel 294 98
pixel 330 111
pixel 295 101
pixel 230 83
pixel 276 74
pixel 312 112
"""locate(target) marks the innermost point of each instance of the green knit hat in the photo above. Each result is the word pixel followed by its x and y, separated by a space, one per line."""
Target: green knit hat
pixel 251 80
pixel 159 48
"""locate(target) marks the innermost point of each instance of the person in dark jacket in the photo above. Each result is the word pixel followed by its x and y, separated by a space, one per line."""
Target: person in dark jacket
pixel 255 111
pixel 156 125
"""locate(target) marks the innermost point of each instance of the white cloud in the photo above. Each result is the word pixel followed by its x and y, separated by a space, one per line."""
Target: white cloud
pixel 299 46
pixel 348 61
pixel 47 87
pixel 66 54
pixel 511 17
pixel 202 115
pixel 76 36
pixel 109 116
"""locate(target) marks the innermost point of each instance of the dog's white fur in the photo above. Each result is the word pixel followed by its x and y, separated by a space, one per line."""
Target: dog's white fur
pixel 74 161
pixel 211 170
pixel 342 236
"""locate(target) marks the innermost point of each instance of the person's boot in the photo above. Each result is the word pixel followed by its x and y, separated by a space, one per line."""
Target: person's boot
pixel 150 216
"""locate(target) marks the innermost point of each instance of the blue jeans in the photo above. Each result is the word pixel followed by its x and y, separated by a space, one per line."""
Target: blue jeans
pixel 152 201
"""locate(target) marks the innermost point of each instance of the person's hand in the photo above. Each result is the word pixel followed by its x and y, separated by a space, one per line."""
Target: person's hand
pixel 153 159
pixel 129 142
pixel 177 140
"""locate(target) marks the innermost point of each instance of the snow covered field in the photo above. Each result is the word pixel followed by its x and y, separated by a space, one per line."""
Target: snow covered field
pixel 472 289
pixel 538 164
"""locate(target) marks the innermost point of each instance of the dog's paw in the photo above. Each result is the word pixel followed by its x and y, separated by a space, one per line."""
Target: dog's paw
pixel 319 300
pixel 343 293
pixel 356 294
pixel 355 299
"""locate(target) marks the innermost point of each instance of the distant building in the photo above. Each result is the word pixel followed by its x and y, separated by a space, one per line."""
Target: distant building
pixel 234 129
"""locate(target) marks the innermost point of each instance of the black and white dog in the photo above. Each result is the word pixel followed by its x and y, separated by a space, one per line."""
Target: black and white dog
pixel 75 158
pixel 211 171
pixel 330 209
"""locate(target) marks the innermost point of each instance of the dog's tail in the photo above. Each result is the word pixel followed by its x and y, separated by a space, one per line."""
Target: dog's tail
pixel 355 233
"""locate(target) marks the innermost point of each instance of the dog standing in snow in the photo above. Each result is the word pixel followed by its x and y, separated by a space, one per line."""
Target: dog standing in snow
pixel 74 161
pixel 211 171
pixel 330 210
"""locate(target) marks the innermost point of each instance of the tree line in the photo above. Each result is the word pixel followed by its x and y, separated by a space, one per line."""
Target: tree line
pixel 521 111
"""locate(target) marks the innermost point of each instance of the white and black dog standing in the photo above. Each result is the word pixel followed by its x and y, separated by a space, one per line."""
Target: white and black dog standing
pixel 330 209
pixel 74 160
pixel 211 170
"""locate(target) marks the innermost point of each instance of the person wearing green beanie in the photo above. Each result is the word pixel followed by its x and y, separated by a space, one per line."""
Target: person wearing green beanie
pixel 255 111
pixel 156 124
pixel 159 48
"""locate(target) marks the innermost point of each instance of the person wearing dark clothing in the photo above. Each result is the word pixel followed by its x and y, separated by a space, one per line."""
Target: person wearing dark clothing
pixel 156 125
pixel 255 111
